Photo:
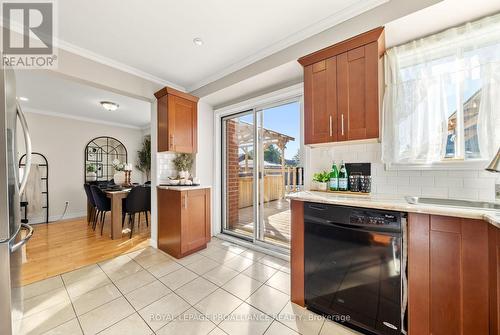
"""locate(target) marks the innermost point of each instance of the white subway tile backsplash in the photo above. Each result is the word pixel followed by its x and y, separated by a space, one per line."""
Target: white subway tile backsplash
pixel 478 183
pixel 487 194
pixel 463 193
pixel 398 180
pixel 463 173
pixel 410 190
pixel 434 173
pixel 166 166
pixel 422 181
pixel 404 173
pixel 449 182
pixel 387 189
pixel 464 184
pixel 437 192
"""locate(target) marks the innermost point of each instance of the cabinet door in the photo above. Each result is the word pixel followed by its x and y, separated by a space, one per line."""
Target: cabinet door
pixel 196 219
pixel 448 275
pixel 320 102
pixel 169 222
pixel 182 124
pixel 162 112
pixel 358 103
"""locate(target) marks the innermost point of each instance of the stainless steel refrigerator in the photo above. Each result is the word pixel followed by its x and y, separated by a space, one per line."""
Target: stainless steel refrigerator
pixel 13 233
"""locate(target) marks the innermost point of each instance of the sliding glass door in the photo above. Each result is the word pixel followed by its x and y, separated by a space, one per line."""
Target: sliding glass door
pixel 261 160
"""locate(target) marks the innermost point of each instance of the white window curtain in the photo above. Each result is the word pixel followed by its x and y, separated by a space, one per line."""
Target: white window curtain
pixel 428 82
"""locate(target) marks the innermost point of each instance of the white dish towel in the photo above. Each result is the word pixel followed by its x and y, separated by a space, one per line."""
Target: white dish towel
pixel 33 191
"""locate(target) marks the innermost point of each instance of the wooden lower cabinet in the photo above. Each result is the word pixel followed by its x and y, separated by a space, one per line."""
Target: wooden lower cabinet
pixel 183 221
pixel 448 276
pixel 494 278
pixel 297 270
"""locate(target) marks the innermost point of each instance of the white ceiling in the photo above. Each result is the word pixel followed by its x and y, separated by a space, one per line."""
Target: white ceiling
pixel 154 38
pixel 440 16
pixel 54 95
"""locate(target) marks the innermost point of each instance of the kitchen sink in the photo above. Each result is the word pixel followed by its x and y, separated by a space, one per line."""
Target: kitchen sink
pixel 453 203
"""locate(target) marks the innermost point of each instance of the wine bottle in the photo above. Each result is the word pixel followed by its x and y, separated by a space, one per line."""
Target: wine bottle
pixel 343 178
pixel 334 178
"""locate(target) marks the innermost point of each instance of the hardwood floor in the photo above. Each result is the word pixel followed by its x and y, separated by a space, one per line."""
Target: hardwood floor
pixel 60 247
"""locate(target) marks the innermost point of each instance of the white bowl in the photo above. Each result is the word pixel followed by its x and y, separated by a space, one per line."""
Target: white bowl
pixel 174 182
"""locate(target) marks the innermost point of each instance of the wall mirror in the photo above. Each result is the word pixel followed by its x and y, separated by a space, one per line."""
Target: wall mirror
pixel 100 153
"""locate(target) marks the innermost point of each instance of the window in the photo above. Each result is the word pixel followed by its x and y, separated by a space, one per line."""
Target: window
pixel 442 98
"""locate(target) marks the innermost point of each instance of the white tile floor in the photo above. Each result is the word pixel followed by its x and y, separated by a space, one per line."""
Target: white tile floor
pixel 224 289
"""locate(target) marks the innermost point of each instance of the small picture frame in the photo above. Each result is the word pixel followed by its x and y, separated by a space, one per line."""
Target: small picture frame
pixel 99 168
pixel 94 154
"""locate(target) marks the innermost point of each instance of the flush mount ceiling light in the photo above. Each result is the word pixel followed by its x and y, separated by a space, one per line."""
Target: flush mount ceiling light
pixel 198 41
pixel 109 106
pixel 22 99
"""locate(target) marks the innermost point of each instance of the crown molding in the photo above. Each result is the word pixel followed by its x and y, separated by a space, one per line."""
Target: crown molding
pixel 63 45
pixel 347 13
pixel 114 64
pixel 81 118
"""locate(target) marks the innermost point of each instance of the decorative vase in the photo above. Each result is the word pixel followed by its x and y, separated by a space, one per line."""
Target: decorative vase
pixel 183 174
pixel 91 176
pixel 319 186
pixel 119 178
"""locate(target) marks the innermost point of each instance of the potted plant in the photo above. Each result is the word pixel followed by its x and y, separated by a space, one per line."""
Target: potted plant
pixel 183 164
pixel 144 157
pixel 119 176
pixel 91 172
pixel 320 181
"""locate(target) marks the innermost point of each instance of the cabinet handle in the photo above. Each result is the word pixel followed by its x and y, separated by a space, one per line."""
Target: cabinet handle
pixel 331 127
pixel 342 117
pixel 172 141
pixel 185 201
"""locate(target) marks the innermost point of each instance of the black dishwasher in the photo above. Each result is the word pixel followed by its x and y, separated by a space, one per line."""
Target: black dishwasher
pixel 355 266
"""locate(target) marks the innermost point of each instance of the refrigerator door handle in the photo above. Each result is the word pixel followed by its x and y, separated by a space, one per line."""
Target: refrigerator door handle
pixel 27 141
pixel 19 244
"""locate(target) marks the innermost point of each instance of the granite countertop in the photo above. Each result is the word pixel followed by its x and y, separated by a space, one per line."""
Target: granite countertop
pixel 182 187
pixel 396 204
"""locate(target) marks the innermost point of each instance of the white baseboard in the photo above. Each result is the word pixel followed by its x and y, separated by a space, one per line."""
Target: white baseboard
pixel 56 218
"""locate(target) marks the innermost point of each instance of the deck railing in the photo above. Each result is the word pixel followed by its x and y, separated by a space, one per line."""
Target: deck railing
pixel 277 183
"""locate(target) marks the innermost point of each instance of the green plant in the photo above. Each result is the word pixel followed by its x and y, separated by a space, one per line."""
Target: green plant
pixel 117 165
pixel 321 177
pixel 91 168
pixel 144 157
pixel 183 162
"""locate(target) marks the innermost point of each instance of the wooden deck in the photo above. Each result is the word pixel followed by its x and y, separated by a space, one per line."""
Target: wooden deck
pixel 276 222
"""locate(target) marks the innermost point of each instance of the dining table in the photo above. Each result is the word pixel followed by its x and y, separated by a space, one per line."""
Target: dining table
pixel 116 210
pixel 116 197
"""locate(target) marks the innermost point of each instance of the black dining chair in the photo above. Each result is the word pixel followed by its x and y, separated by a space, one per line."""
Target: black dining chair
pixel 103 203
pixel 135 203
pixel 93 210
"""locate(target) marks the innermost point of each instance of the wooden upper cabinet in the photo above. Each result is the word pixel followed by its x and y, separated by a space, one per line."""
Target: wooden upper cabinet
pixel 320 101
pixel 177 121
pixel 342 90
pixel 358 93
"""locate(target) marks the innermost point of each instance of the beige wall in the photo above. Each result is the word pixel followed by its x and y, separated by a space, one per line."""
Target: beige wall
pixel 63 142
